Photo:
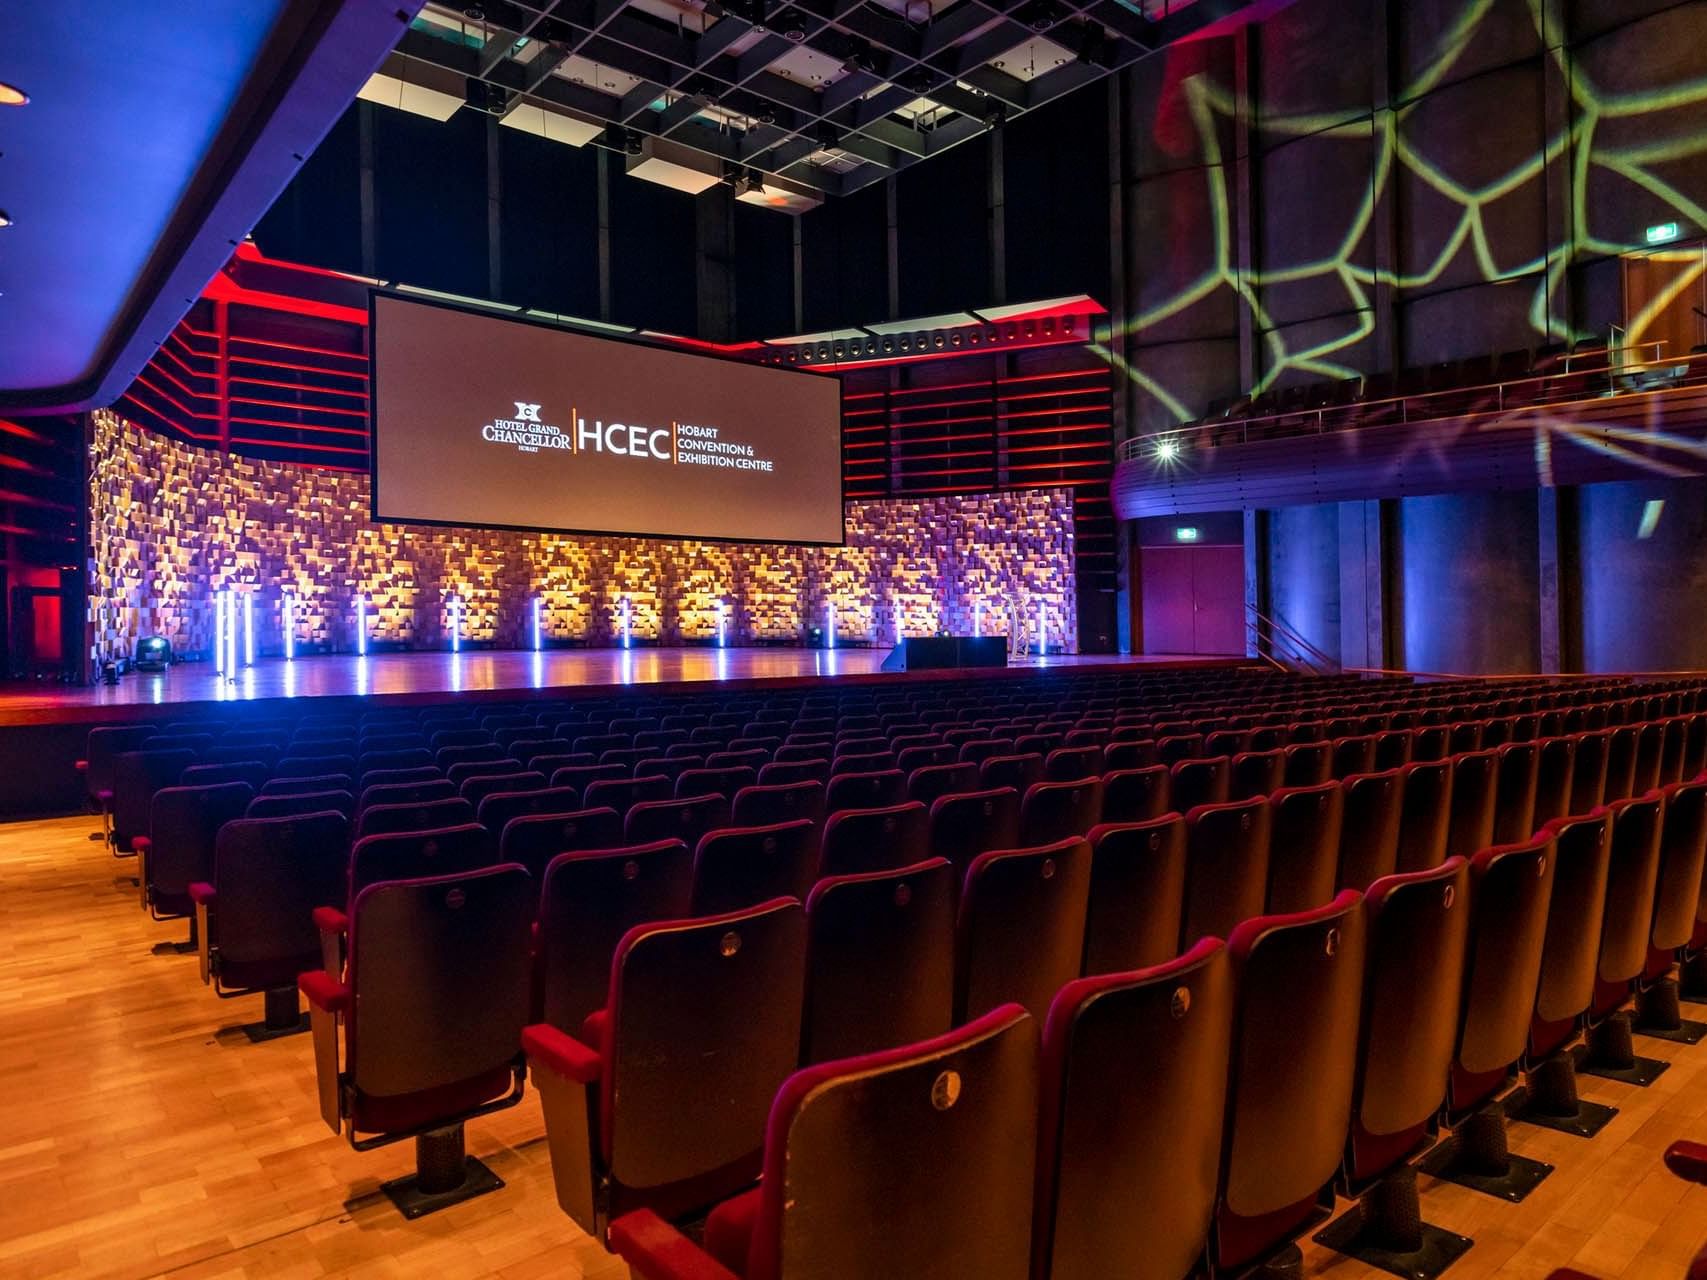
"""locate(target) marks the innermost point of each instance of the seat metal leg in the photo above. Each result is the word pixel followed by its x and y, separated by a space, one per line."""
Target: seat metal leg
pixel 1659 1015
pixel 445 1174
pixel 283 1017
pixel 1610 1053
pixel 1550 1100
pixel 1476 1156
pixel 1385 1229
pixel 1693 985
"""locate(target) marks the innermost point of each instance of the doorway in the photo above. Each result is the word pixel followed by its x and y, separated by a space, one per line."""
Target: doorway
pixel 1193 598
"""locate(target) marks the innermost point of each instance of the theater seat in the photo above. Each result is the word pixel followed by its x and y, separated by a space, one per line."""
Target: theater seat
pixel 1053 811
pixel 1515 793
pixel 137 775
pixel 881 839
pixel 740 867
pixel 1021 772
pixel 184 822
pixel 1135 795
pixel 1226 867
pixel 533 840
pixel 296 804
pixel 1417 928
pixel 1133 1095
pixel 432 1004
pixel 588 900
pixel 1511 889
pixel 1369 827
pixel 1304 846
pixel 1137 894
pixel 767 803
pixel 1555 762
pixel 100 752
pixel 496 810
pixel 1632 875
pixel 879 960
pixel 1425 815
pixel 660 1104
pixel 392 793
pixel 1475 797
pixel 874 790
pixel 1256 773
pixel 686 819
pixel 1297 983
pixel 387 819
pixel 1677 893
pixel 940 1133
pixel 1197 782
pixel 255 913
pixel 1020 934
pixel 965 825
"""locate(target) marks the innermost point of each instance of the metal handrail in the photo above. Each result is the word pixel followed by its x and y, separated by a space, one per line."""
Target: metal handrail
pixel 1319 661
pixel 1695 363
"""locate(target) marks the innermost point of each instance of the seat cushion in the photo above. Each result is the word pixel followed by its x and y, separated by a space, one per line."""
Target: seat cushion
pixel 399 1113
pixel 729 1230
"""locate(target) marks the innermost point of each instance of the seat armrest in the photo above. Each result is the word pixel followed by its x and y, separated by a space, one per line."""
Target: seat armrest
pixel 142 844
pixel 201 893
pixel 82 766
pixel 323 991
pixel 1688 1160
pixel 561 1054
pixel 202 898
pixel 655 1250
pixel 331 920
pixel 333 926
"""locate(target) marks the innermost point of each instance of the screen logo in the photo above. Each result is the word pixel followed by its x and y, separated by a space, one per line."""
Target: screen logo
pixel 526 432
pixel 526 412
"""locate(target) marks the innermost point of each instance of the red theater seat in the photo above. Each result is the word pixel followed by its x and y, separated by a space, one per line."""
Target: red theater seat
pixel 769 803
pixel 661 1103
pixel 1555 763
pixel 1135 795
pixel 739 867
pixel 587 902
pixel 1020 934
pixel 686 819
pixel 386 819
pixel 1137 894
pixel 1677 894
pixel 137 775
pixel 1475 797
pixel 1200 781
pixel 1425 820
pixel 954 1175
pixel 1054 811
pixel 1019 771
pixel 966 824
pixel 1369 827
pixel 406 793
pixel 881 839
pixel 865 790
pixel 1256 773
pixel 1226 877
pixel 1632 876
pixel 1304 846
pixel 178 851
pixel 101 750
pixel 1133 1100
pixel 432 1008
pixel 255 913
pixel 879 960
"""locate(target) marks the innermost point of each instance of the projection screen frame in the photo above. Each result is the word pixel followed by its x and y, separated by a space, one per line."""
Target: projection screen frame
pixel 376 293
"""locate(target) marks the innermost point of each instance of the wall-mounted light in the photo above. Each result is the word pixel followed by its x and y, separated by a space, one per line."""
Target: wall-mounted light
pixel 456 624
pixel 1167 449
pixel 536 631
pixel 248 628
pixel 722 624
pixel 219 633
pixel 231 635
pixel 1042 628
pixel 829 624
pixel 627 624
pixel 978 618
pixel 1185 533
pixel 361 626
pixel 287 623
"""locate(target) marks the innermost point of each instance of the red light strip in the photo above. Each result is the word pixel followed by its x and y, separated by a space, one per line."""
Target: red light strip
pixel 300 408
pixel 359 375
pixel 278 444
pixel 1053 413
pixel 10 428
pixel 300 426
pixel 182 408
pixel 251 380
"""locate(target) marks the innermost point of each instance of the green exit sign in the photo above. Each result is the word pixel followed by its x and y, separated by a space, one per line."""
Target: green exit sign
pixel 1663 233
pixel 1185 533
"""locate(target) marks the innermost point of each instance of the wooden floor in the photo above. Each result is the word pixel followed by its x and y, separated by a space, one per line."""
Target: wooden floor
pixel 141 1134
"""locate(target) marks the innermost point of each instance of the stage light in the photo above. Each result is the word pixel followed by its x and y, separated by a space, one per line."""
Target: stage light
pixel 722 624
pixel 231 635
pixel 219 633
pixel 153 653
pixel 361 626
pixel 899 620
pixel 248 628
pixel 978 618
pixel 5 218
pixel 287 624
pixel 1042 628
pixel 12 96
pixel 829 625
pixel 1167 449
pixel 536 645
pixel 627 624
pixel 456 624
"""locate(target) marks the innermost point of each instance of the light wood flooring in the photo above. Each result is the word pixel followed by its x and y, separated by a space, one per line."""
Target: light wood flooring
pixel 141 1134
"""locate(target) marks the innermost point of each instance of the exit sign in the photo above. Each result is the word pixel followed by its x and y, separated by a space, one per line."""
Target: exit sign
pixel 1663 232
pixel 1185 533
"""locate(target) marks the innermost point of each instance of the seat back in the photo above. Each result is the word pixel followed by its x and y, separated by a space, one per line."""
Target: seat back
pixel 385 819
pixel 1582 860
pixel 1052 811
pixel 497 809
pixel 722 781
pixel 298 803
pixel 404 793
pixel 622 794
pixel 860 840
pixel 1133 1100
pixel 411 855
pixel 475 790
pixel 686 819
pixel 1304 846
pixel 1631 880
pixel 739 867
pixel 766 804
pixel 1135 795
pixel 1020 934
pixel 1137 894
pixel 184 822
pixel 1226 873
pixel 964 825
pixel 1353 755
pixel 587 902
pixel 1417 927
pixel 137 775
pixel 1511 887
pixel 1683 847
pixel 533 840
pixel 1308 763
pixel 1588 770
pixel 1021 772
pixel 438 973
pixel 1369 827
pixel 1515 792
pixel 252 772
pixel 941 1133
pixel 1475 795
pixel 1425 815
pixel 874 790
pixel 270 874
pixel 888 932
pixel 1555 762
pixel 927 782
pixel 103 747
pixel 1298 985
pixel 1069 764
pixel 703 1026
pixel 1621 763
pixel 1195 782
pixel 1650 752
pixel 1256 773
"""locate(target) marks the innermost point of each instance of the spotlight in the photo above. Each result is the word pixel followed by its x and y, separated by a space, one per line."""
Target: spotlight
pixel 1167 449
pixel 995 114
pixel 12 96
pixel 153 653
pixel 5 218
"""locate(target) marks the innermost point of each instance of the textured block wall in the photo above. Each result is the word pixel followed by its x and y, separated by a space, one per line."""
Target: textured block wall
pixel 171 524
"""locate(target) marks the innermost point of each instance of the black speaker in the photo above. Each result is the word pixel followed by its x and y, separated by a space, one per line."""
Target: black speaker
pixel 942 653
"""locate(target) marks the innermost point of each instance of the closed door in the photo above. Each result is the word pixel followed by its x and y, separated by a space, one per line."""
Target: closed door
pixel 1194 599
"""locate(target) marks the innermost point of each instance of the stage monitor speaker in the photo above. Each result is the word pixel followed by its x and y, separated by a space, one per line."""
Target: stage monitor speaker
pixel 943 653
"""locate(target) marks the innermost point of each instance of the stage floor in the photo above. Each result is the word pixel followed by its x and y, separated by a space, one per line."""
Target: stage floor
pixel 497 674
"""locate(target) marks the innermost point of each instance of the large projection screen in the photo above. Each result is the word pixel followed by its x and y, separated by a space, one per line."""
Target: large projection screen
pixel 495 423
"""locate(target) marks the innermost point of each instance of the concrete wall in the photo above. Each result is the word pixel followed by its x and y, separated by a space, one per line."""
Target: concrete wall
pixel 1469 583
pixel 1644 575
pixel 1303 556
